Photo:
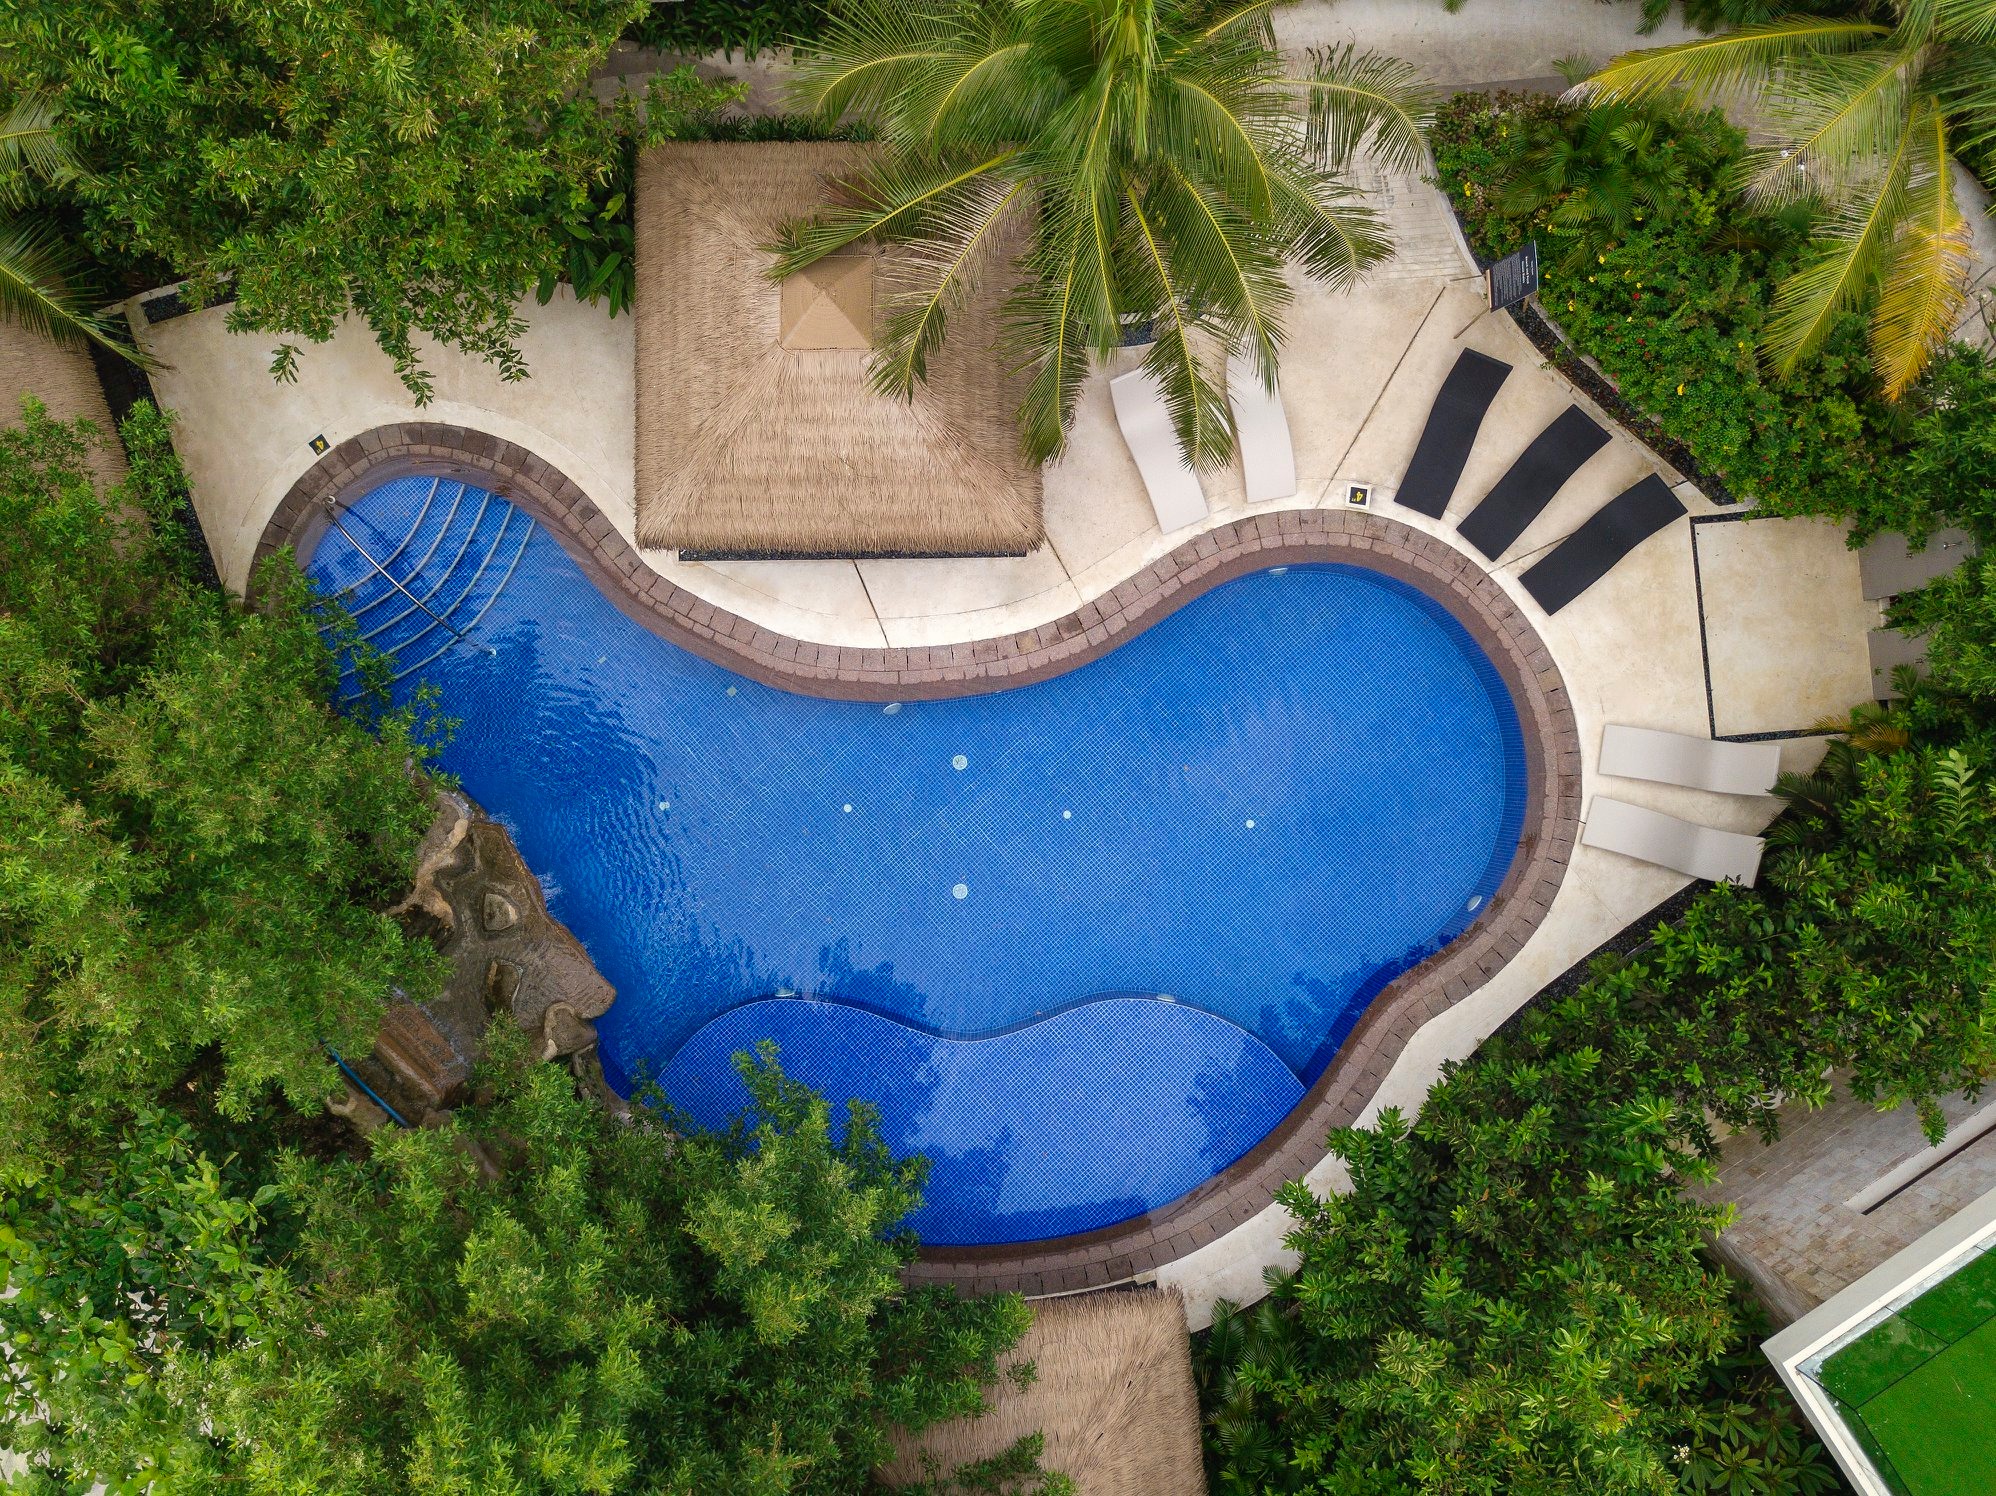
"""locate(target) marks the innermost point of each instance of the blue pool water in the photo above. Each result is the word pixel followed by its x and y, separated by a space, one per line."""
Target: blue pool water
pixel 1084 942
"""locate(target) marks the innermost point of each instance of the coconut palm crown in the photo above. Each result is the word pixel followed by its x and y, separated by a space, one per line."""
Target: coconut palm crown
pixel 1860 118
pixel 38 270
pixel 1149 159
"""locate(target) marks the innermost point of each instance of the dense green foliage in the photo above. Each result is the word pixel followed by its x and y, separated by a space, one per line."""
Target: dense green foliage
pixel 1654 274
pixel 537 1298
pixel 750 27
pixel 195 851
pixel 1513 1296
pixel 419 166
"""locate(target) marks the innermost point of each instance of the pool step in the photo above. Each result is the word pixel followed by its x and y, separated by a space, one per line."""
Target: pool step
pixel 421 592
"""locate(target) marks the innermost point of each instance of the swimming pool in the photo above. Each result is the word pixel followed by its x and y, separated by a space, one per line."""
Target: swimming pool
pixel 1085 942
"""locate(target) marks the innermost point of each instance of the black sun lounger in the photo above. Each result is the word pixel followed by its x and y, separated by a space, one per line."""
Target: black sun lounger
pixel 1611 532
pixel 1541 471
pixel 1451 431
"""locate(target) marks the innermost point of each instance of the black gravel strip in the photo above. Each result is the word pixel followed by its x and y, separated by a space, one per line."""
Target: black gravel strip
pixel 1625 942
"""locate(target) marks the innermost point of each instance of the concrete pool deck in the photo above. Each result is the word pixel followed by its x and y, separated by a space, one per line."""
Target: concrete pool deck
pixel 1776 639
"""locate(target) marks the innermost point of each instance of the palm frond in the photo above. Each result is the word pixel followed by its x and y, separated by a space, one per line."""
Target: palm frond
pixel 1361 99
pixel 1854 244
pixel 1333 236
pixel 1254 20
pixel 992 88
pixel 1838 117
pixel 1223 264
pixel 867 53
pixel 37 292
pixel 1967 20
pixel 1044 331
pixel 890 199
pixel 1723 68
pixel 29 142
pixel 929 281
pixel 1200 125
pixel 1177 361
pixel 1925 281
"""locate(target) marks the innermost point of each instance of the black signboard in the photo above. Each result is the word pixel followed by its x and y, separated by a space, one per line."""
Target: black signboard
pixel 1514 277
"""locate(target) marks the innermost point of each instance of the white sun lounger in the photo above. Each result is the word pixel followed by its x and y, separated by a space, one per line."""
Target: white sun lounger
pixel 1686 847
pixel 1174 487
pixel 1696 763
pixel 1261 430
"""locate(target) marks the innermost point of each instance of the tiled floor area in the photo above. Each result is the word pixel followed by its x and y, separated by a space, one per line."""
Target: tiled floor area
pixel 1811 1218
pixel 1766 583
pixel 1359 376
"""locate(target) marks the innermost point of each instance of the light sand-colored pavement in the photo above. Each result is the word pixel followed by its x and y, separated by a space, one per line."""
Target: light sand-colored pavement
pixel 1359 376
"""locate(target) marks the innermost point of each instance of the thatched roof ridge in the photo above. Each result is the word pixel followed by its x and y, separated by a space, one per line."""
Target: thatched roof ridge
pixel 747 447
pixel 1113 1396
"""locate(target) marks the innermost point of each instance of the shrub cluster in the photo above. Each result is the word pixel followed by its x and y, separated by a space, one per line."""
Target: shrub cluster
pixel 1654 270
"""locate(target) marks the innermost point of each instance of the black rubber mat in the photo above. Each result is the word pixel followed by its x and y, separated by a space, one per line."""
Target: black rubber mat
pixel 1451 431
pixel 1541 471
pixel 1611 532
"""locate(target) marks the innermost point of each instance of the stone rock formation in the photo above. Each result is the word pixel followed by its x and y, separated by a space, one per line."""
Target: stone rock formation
pixel 475 899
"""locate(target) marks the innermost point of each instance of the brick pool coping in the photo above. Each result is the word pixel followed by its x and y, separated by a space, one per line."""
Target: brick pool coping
pixel 1290 537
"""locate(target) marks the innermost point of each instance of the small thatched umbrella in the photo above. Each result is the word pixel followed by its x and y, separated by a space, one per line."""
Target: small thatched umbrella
pixel 757 431
pixel 1113 1395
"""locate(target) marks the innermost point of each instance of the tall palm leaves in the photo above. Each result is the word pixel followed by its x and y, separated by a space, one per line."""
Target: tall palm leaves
pixel 1861 119
pixel 1146 162
pixel 38 271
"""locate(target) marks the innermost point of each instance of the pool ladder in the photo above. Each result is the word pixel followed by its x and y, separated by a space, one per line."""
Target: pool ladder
pixel 443 597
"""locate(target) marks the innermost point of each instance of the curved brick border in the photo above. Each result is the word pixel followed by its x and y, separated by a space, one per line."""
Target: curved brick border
pixel 1552 754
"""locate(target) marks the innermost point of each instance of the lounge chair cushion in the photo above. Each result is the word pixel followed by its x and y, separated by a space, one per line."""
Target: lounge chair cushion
pixel 1684 846
pixel 1173 486
pixel 1697 763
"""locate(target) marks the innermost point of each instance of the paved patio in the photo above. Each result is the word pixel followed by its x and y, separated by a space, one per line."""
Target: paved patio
pixel 1783 626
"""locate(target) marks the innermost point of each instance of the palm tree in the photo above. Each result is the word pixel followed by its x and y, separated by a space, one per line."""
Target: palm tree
pixel 39 272
pixel 1863 118
pixel 1152 158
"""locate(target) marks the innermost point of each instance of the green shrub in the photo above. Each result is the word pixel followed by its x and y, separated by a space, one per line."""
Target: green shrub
pixel 419 167
pixel 750 27
pixel 195 850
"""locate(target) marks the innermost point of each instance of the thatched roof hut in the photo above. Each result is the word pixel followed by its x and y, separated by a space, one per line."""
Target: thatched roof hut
pixel 1113 1396
pixel 757 431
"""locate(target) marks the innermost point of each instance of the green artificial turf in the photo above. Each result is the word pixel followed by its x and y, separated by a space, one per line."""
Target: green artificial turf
pixel 1919 1389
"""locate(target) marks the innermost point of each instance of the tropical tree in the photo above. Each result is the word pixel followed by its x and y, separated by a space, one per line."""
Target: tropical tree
pixel 40 283
pixel 1150 155
pixel 418 167
pixel 1862 118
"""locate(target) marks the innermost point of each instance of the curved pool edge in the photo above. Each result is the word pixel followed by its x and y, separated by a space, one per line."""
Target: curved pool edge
pixel 1494 620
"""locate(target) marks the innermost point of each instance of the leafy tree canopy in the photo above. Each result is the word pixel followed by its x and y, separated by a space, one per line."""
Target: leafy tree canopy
pixel 420 166
pixel 195 851
pixel 538 1298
